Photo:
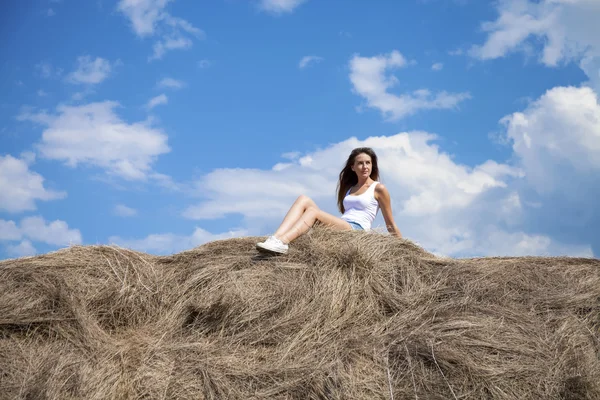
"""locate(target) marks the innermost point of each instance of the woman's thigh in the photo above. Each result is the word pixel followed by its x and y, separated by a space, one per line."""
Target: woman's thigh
pixel 332 221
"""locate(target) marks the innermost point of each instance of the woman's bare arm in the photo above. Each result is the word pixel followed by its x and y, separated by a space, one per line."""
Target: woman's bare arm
pixel 383 197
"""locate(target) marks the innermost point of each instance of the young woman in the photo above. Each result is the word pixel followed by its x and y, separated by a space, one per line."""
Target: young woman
pixel 359 197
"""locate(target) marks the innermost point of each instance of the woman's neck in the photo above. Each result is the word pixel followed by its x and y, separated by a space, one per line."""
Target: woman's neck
pixel 362 182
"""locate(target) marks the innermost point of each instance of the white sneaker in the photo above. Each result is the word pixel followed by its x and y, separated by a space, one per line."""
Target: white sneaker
pixel 272 245
pixel 271 239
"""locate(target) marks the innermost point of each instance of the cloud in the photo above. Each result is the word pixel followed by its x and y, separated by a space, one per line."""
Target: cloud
pixel 79 96
pixel 556 141
pixel 42 93
pixel 168 243
pixel 369 80
pixel 567 29
pixel 170 43
pixel 559 130
pixel 9 230
pixel 158 100
pixel 36 229
pixel 47 71
pixel 204 64
pixel 431 181
pixel 44 69
pixel 124 211
pixel 278 7
pixel 309 60
pixel 148 18
pixel 170 83
pixel 496 243
pixel 144 15
pixel 50 13
pixel 90 71
pixel 23 249
pixel 94 135
pixel 180 24
pixel 55 233
pixel 449 208
pixel 21 187
pixel 437 67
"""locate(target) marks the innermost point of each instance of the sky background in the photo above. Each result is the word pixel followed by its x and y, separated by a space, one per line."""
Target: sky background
pixel 161 125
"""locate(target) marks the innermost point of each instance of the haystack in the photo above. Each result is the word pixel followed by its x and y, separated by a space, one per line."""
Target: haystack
pixel 345 315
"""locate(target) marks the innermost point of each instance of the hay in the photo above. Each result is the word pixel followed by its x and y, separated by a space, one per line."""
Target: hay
pixel 346 315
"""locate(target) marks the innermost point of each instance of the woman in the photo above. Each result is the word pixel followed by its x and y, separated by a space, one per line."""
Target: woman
pixel 359 197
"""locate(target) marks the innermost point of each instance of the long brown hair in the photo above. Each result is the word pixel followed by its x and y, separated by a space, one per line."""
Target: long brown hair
pixel 348 177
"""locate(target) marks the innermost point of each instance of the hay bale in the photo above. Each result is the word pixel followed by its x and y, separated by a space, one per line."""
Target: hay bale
pixel 345 315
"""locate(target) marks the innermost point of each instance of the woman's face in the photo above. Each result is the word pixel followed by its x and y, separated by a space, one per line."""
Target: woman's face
pixel 362 165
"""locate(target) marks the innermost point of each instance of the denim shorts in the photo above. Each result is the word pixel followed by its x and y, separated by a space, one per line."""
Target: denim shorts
pixel 355 226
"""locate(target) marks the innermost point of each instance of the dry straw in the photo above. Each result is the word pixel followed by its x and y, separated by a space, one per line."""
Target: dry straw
pixel 346 315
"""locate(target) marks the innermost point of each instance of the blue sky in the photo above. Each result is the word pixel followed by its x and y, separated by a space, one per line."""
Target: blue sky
pixel 163 124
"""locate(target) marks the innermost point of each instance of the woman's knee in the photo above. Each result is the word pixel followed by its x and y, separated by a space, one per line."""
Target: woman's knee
pixel 306 201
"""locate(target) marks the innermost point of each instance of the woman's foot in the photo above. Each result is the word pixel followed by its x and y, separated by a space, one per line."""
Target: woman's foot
pixel 272 245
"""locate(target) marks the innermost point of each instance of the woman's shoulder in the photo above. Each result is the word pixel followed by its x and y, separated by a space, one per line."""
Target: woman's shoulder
pixel 380 189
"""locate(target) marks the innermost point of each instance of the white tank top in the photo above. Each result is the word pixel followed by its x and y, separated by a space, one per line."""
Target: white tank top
pixel 361 209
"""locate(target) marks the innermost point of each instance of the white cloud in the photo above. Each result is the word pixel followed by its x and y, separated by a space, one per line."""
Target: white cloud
pixel 158 100
pixel 556 141
pixel 170 43
pixel 309 60
pixel 55 233
pixel 493 242
pixel 28 157
pixel 168 243
pixel 278 7
pixel 149 18
pixel 291 155
pixel 21 187
pixel 369 80
pixel 46 70
pixel 93 134
pixel 171 83
pixel 79 96
pixel 50 13
pixel 518 20
pixel 567 29
pixel 9 230
pixel 167 182
pixel 23 249
pixel 90 71
pixel 144 15
pixel 437 67
pixel 557 137
pixel 204 64
pixel 36 229
pixel 124 211
pixel 42 93
pixel 182 24
pixel 448 208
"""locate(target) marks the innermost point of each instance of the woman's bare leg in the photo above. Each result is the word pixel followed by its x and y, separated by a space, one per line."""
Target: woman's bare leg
pixel 301 204
pixel 308 219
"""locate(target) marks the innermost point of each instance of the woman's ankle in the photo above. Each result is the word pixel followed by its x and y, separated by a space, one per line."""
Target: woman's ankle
pixel 282 239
